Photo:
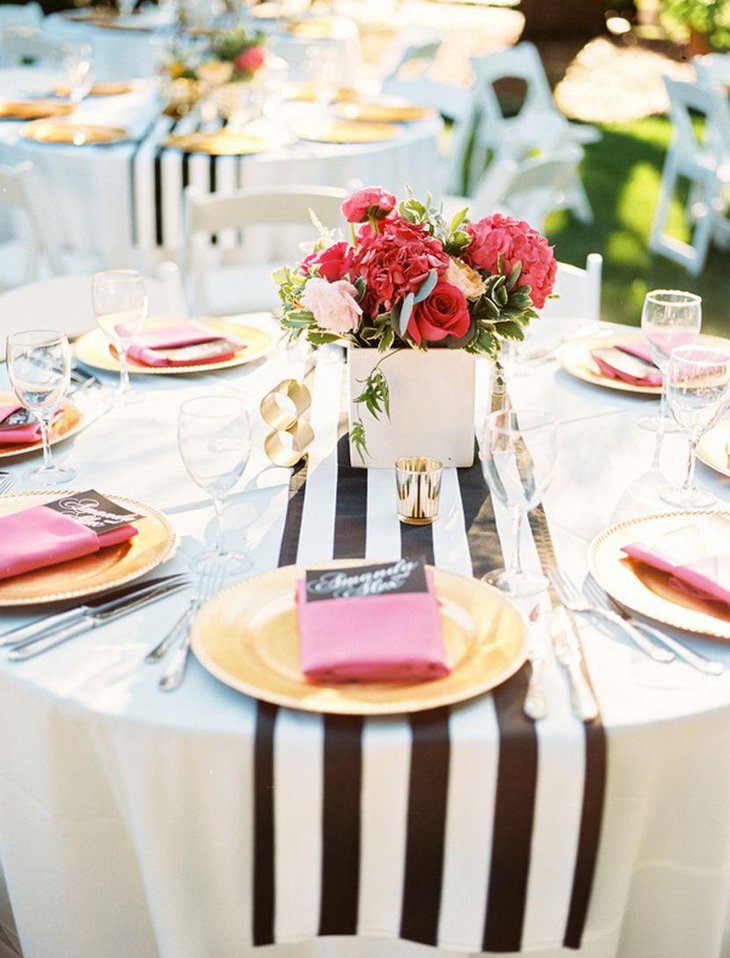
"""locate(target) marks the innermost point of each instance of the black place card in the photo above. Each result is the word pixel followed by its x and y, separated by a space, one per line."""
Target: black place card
pixel 388 578
pixel 94 510
pixel 17 419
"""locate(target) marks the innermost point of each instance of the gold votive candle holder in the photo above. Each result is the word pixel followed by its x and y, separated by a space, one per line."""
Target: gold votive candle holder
pixel 418 485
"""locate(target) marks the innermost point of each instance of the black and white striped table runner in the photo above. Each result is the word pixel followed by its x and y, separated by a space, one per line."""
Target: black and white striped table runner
pixel 468 828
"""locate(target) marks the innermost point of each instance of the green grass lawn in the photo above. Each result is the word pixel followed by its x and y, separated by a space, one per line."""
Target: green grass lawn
pixel 621 175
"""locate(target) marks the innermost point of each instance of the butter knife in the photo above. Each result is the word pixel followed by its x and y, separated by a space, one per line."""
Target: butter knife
pixel 568 653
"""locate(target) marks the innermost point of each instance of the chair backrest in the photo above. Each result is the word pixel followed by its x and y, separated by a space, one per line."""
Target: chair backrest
pixel 712 69
pixel 20 15
pixel 409 78
pixel 578 292
pixel 25 45
pixel 17 193
pixel 688 99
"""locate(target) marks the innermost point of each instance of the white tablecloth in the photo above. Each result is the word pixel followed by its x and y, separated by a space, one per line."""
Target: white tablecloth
pixel 124 813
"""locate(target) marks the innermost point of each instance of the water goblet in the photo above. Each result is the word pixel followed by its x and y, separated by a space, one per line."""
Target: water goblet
pixel 214 437
pixel 517 454
pixel 669 318
pixel 78 64
pixel 698 392
pixel 39 368
pixel 120 307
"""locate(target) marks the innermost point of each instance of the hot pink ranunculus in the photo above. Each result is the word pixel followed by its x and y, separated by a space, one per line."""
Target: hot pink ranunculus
pixel 333 262
pixel 395 261
pixel 372 201
pixel 250 60
pixel 333 305
pixel 515 241
pixel 443 313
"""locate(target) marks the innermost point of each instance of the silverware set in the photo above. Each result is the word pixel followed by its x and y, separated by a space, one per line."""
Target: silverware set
pixel 7 479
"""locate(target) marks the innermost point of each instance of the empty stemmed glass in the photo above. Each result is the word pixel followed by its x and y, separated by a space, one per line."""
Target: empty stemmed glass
pixel 670 318
pixel 120 307
pixel 698 391
pixel 518 453
pixel 214 436
pixel 39 367
pixel 78 65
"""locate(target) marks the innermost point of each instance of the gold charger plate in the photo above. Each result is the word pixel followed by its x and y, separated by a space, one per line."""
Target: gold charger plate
pixel 575 358
pixel 714 448
pixel 33 109
pixel 315 28
pixel 77 134
pixel 343 132
pixel 392 110
pixel 246 637
pixel 70 423
pixel 647 591
pixel 218 144
pixel 111 88
pixel 92 349
pixel 114 566
pixel 306 92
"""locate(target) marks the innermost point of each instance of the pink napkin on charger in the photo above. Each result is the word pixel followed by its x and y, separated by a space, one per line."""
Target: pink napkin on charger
pixel 39 537
pixel 371 638
pixel 638 350
pixel 145 346
pixel 21 434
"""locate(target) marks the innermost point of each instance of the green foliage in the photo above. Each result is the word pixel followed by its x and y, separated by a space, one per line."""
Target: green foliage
pixel 709 17
pixel 227 46
pixel 357 438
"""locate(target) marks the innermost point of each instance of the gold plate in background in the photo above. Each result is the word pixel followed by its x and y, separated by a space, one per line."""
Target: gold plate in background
pixel 70 423
pixel 341 132
pixel 714 448
pixel 386 110
pixel 642 589
pixel 247 637
pixel 313 28
pixel 33 109
pixel 218 144
pixel 575 358
pixel 92 349
pixel 77 134
pixel 114 566
pixel 110 88
pixel 307 93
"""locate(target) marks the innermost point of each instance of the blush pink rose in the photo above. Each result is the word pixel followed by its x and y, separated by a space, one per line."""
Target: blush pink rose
pixel 516 242
pixel 444 313
pixel 367 203
pixel 333 305
pixel 333 263
pixel 250 60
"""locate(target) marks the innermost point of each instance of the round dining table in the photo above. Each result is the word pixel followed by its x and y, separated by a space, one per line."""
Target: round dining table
pixel 205 823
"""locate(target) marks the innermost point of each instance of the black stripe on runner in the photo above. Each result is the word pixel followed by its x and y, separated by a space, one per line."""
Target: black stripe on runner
pixel 212 186
pixel 481 527
pixel 513 818
pixel 350 507
pixel 341 824
pixel 293 521
pixel 594 792
pixel 133 180
pixel 159 231
pixel 264 892
pixel 416 542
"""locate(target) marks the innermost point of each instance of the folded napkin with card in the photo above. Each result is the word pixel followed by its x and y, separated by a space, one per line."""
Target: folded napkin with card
pixel 73 526
pixel 629 362
pixel 19 426
pixel 696 556
pixel 370 624
pixel 185 344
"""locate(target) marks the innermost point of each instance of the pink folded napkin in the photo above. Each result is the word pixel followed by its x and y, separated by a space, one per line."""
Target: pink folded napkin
pixel 21 434
pixel 614 369
pixel 350 631
pixel 39 537
pixel 157 347
pixel 706 576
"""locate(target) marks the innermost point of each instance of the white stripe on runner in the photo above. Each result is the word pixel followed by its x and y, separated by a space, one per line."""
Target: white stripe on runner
pixel 171 189
pixel 226 183
pixel 450 544
pixel 382 541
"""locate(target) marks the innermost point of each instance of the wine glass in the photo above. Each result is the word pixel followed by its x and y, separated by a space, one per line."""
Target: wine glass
pixel 78 64
pixel 126 7
pixel 39 367
pixel 120 306
pixel 518 455
pixel 698 391
pixel 670 318
pixel 214 436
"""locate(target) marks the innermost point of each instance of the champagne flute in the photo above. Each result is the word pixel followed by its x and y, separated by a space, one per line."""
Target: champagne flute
pixel 39 367
pixel 120 306
pixel 518 459
pixel 670 318
pixel 698 390
pixel 214 436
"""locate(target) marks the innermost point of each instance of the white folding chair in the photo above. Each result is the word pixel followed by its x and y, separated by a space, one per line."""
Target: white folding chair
pixel 31 247
pixel 713 69
pixel 20 15
pixel 228 276
pixel 577 292
pixel 705 163
pixel 25 45
pixel 409 78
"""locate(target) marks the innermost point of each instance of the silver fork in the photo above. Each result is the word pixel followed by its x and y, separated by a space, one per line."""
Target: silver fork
pixel 572 598
pixel 6 482
pixel 710 667
pixel 175 668
pixel 176 632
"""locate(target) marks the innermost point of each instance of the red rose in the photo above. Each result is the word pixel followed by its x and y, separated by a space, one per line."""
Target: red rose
pixel 370 202
pixel 333 263
pixel 395 261
pixel 443 313
pixel 249 61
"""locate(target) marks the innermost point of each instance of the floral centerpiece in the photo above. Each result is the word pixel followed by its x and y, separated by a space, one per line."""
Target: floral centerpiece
pixel 408 279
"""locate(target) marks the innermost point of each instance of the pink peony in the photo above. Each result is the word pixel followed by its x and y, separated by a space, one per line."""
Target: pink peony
pixel 372 201
pixel 395 261
pixel 333 263
pixel 516 242
pixel 333 305
pixel 250 60
pixel 443 313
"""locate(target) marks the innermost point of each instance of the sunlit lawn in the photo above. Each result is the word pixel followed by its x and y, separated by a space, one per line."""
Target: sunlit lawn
pixel 621 174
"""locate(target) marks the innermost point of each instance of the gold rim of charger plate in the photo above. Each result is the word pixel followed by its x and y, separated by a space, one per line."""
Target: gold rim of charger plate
pixel 623 585
pixel 371 111
pixel 103 88
pixel 348 132
pixel 71 422
pixel 218 144
pixel 92 349
pixel 220 629
pixel 575 358
pixel 46 131
pixel 154 525
pixel 33 110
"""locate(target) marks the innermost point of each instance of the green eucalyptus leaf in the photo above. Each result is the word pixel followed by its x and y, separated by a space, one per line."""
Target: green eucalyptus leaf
pixel 427 287
pixel 406 308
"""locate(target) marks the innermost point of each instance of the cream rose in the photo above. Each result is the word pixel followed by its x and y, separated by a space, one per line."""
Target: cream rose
pixel 215 72
pixel 333 305
pixel 464 278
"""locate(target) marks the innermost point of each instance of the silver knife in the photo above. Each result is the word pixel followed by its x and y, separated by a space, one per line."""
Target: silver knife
pixel 41 626
pixel 568 653
pixel 95 618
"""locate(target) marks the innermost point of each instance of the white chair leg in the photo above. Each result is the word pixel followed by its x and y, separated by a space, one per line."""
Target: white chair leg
pixel 577 200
